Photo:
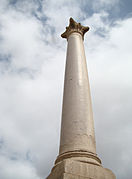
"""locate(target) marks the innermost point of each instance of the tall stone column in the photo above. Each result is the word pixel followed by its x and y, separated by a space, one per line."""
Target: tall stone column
pixel 77 129
pixel 77 157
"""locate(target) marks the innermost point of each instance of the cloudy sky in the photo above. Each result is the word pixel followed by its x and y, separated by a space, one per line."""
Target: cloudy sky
pixel 32 64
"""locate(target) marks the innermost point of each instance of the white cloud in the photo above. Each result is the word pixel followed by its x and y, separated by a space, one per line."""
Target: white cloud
pixel 21 40
pixel 16 169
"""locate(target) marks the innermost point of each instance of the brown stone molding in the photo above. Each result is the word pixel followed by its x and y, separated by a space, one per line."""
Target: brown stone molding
pixel 74 27
pixel 77 153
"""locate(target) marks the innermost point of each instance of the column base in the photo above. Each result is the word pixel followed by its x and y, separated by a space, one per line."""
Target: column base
pixel 71 169
pixel 80 155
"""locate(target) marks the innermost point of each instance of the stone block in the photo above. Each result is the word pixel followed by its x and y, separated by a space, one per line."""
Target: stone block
pixel 70 169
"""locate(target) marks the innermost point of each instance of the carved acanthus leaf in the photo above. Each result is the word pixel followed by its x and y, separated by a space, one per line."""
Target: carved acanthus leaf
pixel 74 27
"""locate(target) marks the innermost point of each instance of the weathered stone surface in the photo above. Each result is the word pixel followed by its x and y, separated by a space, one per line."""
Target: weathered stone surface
pixel 70 169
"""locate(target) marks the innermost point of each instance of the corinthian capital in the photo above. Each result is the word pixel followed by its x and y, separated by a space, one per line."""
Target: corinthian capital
pixel 74 27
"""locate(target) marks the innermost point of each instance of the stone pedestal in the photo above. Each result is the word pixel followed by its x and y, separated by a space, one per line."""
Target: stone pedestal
pixel 70 169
